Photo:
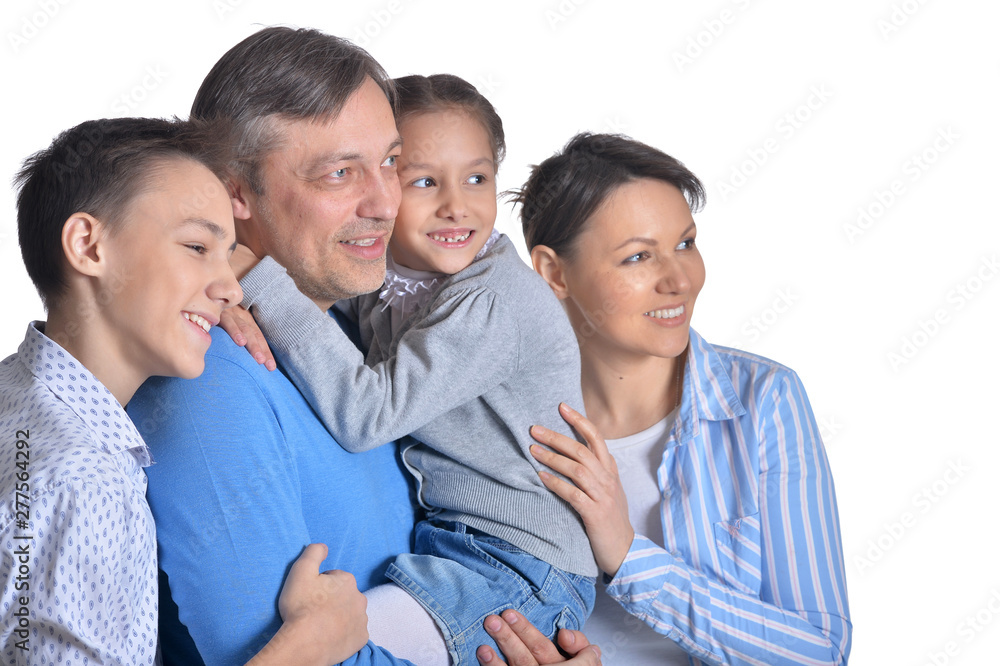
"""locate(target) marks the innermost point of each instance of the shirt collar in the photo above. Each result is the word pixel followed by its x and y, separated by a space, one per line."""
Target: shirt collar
pixel 70 381
pixel 708 391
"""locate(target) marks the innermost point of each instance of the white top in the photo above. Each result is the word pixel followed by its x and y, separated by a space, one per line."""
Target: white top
pixel 624 639
pixel 77 542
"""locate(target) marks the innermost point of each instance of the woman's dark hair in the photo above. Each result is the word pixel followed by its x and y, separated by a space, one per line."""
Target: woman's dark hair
pixel 424 94
pixel 565 190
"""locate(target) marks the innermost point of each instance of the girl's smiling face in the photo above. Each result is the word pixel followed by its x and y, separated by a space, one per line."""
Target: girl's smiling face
pixel 631 283
pixel 448 180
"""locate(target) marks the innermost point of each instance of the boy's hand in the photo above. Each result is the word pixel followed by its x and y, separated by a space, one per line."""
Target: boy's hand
pixel 241 327
pixel 323 610
pixel 524 645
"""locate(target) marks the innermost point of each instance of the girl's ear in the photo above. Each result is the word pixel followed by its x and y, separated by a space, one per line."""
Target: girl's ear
pixel 551 267
pixel 83 244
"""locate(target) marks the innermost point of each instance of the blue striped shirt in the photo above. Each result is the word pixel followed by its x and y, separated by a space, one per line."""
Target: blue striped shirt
pixel 752 571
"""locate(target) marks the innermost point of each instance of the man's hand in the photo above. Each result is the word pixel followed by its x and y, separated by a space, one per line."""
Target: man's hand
pixel 524 645
pixel 324 614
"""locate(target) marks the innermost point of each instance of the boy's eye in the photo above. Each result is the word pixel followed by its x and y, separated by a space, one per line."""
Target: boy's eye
pixel 685 244
pixel 390 161
pixel 478 179
pixel 200 249
pixel 424 182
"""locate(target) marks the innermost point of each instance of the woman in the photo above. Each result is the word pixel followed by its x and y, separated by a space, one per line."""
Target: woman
pixel 735 555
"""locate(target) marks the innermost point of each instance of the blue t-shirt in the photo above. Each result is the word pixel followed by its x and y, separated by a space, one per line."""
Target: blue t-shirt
pixel 245 476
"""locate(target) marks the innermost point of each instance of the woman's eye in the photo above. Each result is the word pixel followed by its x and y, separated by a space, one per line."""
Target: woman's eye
pixel 686 244
pixel 636 258
pixel 424 182
pixel 478 179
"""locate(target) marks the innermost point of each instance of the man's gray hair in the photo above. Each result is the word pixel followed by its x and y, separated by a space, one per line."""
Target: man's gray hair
pixel 282 73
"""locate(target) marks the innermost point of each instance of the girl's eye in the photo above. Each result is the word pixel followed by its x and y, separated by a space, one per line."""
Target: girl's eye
pixel 636 258
pixel 424 182
pixel 686 244
pixel 478 179
pixel 390 161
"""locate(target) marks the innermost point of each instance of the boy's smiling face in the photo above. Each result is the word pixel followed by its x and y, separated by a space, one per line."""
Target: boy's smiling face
pixel 169 276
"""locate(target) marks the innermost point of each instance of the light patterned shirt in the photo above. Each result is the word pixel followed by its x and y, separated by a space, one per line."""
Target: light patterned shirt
pixel 752 567
pixel 77 541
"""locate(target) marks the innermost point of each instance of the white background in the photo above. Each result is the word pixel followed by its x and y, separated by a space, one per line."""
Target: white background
pixel 711 83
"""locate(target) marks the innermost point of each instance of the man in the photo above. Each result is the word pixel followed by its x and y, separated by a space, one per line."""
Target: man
pixel 246 473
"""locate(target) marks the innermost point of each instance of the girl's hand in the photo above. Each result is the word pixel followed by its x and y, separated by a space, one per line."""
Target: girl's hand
pixel 595 492
pixel 241 327
pixel 524 645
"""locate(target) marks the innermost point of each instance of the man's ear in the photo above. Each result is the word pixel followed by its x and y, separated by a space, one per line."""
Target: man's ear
pixel 83 244
pixel 237 195
pixel 550 266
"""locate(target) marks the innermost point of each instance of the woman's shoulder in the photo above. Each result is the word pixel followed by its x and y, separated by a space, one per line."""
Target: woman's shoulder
pixel 751 375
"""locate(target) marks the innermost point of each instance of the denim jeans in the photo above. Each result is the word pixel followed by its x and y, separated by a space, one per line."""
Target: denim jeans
pixel 461 575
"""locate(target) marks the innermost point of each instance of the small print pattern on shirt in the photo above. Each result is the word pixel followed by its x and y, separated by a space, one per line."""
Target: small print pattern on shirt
pixel 77 541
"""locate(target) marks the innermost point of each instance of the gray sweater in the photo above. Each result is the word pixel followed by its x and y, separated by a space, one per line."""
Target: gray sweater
pixel 490 355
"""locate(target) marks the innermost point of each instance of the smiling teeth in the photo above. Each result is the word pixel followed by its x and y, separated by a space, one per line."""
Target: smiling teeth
pixel 666 314
pixel 364 242
pixel 198 319
pixel 452 239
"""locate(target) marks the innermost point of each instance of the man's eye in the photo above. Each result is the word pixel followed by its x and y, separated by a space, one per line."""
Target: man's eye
pixel 339 173
pixel 390 161
pixel 424 182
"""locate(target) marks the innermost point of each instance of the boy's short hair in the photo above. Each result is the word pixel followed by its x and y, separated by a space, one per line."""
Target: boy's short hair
pixel 99 167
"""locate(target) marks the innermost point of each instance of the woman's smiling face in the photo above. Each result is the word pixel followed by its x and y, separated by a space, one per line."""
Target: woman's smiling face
pixel 635 273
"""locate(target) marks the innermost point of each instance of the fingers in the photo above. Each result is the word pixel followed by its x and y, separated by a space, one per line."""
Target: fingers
pixel 587 430
pixel 309 560
pixel 231 325
pixel 521 643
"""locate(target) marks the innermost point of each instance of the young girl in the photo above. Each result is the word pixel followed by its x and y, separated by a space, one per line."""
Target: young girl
pixel 467 348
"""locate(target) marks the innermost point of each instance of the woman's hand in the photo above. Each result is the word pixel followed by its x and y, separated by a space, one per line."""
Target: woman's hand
pixel 524 645
pixel 243 329
pixel 595 492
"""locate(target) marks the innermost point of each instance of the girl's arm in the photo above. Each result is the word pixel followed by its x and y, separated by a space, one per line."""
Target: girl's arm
pixel 800 616
pixel 462 349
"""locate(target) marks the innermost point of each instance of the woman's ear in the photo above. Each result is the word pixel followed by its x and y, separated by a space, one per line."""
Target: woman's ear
pixel 551 267
pixel 83 244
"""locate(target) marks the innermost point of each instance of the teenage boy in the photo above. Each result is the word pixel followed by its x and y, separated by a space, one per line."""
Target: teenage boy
pixel 126 231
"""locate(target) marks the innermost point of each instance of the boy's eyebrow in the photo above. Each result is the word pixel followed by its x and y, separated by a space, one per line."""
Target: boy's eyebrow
pixel 210 227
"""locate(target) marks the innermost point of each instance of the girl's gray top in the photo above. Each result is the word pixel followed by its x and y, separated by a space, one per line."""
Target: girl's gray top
pixel 491 354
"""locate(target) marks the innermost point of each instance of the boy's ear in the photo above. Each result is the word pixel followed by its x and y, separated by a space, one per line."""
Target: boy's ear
pixel 237 195
pixel 548 264
pixel 82 234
